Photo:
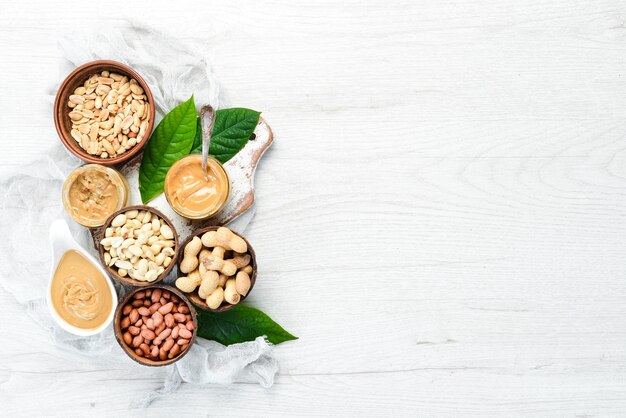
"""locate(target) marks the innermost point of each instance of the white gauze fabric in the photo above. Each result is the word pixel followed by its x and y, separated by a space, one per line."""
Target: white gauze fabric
pixel 31 200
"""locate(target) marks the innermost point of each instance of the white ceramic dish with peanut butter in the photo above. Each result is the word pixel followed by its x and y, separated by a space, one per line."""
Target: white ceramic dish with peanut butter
pixel 81 297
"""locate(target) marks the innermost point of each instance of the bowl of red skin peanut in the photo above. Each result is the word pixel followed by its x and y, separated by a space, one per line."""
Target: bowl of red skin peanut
pixel 155 325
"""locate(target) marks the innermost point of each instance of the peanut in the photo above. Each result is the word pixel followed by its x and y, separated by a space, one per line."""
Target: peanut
pixel 190 259
pixel 156 295
pixel 178 317
pixel 222 252
pixel 213 263
pixel 134 316
pixel 125 245
pixel 148 334
pixel 160 328
pixel 242 283
pixel 203 253
pixel 102 107
pixel 165 309
pixel 185 333
pixel 156 335
pixel 209 282
pixel 169 320
pixel 169 343
pixel 225 238
pixel 166 231
pixel 215 299
pixel 223 279
pixel 125 323
pixel 119 220
pixel 240 260
pixel 174 351
pixel 188 284
pixel 218 252
pixel 157 318
pixel 230 292
pixel 202 294
pixel 137 340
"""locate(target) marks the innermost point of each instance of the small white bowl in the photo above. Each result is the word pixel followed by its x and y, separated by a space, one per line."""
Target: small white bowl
pixel 61 241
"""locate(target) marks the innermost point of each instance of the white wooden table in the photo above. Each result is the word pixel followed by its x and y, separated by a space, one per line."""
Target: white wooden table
pixel 441 218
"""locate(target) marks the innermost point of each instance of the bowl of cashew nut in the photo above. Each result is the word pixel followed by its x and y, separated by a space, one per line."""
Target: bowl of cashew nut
pixel 216 268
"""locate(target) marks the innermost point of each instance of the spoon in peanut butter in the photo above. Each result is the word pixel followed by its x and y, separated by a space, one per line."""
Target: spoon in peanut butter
pixel 207 119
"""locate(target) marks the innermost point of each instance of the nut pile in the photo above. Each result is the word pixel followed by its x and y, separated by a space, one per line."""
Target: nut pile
pixel 110 114
pixel 139 244
pixel 218 264
pixel 156 324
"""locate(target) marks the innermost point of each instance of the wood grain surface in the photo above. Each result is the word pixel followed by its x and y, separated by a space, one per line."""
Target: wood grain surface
pixel 440 219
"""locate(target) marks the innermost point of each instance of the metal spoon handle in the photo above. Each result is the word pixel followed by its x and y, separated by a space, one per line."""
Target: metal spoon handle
pixel 207 119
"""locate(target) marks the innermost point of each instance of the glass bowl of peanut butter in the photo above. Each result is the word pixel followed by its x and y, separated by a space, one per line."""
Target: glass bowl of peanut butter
pixel 92 192
pixel 194 193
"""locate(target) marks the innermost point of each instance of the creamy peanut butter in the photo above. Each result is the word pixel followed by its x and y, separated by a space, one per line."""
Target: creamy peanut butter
pixel 193 192
pixel 92 193
pixel 80 293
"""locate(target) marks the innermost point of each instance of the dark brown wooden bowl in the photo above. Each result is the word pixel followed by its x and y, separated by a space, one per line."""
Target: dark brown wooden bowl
pixel 197 300
pixel 127 280
pixel 62 120
pixel 129 350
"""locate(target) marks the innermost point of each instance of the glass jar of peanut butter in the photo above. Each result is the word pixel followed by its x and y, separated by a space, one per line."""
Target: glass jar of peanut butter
pixel 193 192
pixel 92 192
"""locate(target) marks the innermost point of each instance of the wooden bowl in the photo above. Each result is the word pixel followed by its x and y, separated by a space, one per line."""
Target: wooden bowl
pixel 62 120
pixel 128 350
pixel 127 280
pixel 197 300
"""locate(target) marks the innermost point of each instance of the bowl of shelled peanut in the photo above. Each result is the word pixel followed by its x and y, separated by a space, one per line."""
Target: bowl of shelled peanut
pixel 138 245
pixel 104 112
pixel 155 326
pixel 216 268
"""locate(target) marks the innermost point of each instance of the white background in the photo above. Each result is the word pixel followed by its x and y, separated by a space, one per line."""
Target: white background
pixel 440 219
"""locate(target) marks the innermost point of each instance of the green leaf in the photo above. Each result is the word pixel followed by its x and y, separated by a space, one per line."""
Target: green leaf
pixel 240 324
pixel 231 131
pixel 171 140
